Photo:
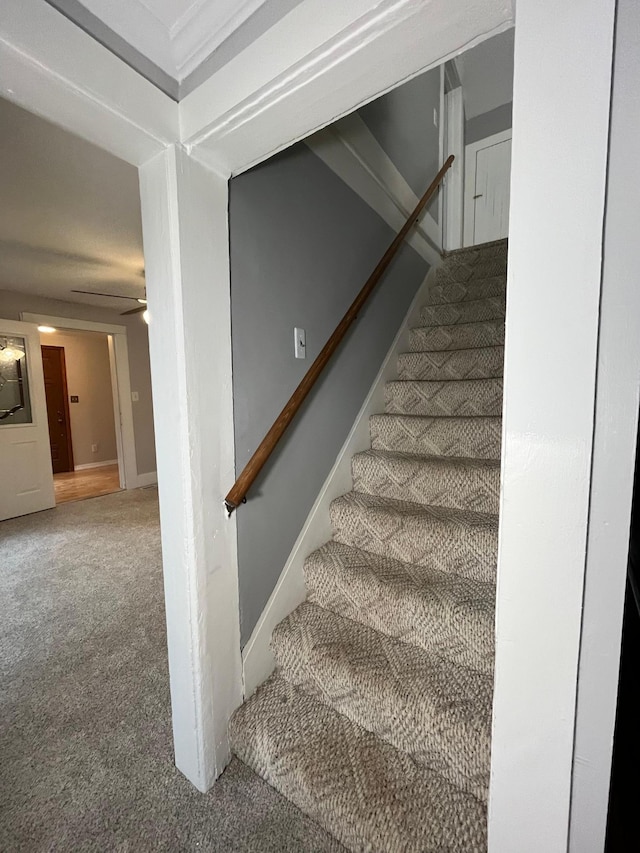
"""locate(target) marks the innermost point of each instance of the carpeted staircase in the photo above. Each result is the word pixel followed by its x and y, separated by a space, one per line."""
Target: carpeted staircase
pixel 377 721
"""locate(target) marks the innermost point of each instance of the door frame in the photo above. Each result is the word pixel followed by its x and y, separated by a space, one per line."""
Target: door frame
pixel 65 392
pixel 120 386
pixel 454 179
pixel 470 153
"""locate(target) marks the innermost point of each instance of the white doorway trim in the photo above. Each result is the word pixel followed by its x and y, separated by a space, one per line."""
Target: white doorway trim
pixel 471 151
pixel 454 179
pixel 120 386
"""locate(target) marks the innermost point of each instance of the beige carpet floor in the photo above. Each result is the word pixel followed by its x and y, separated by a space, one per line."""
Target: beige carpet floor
pixel 86 758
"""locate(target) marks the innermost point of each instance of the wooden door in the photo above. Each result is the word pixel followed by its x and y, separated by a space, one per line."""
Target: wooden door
pixel 55 386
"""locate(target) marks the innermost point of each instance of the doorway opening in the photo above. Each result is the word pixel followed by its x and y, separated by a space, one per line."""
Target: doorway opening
pixel 80 413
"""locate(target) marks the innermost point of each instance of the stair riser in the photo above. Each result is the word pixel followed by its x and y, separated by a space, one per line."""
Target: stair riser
pixel 392 690
pixel 479 438
pixel 479 363
pixel 473 255
pixel 439 547
pixel 492 308
pixel 429 484
pixel 481 397
pixel 484 268
pixel 454 292
pixel 439 621
pixel 456 337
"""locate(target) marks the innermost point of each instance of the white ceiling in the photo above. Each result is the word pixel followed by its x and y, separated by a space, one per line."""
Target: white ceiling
pixel 486 72
pixel 176 35
pixel 69 214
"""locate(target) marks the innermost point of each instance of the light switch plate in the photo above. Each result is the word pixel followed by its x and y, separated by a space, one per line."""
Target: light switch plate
pixel 135 396
pixel 300 343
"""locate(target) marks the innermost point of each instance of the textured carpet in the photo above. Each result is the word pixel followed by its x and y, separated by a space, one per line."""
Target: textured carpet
pixel 377 720
pixel 85 731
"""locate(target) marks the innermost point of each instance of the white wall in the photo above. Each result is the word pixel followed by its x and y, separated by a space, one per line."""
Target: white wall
pixel 614 450
pixel 553 298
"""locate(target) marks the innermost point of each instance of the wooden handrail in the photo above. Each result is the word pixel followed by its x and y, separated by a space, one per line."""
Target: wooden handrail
pixel 237 495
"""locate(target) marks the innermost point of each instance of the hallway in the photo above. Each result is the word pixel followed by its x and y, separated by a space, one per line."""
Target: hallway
pixel 90 483
pixel 85 731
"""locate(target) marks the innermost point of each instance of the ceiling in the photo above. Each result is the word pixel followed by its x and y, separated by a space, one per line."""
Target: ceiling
pixel 486 72
pixel 69 215
pixel 170 41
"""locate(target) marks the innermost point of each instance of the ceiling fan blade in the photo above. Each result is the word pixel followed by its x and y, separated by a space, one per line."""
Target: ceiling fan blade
pixel 112 295
pixel 137 310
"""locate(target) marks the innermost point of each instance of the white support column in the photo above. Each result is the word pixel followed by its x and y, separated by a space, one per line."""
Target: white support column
pixel 454 179
pixel 562 80
pixel 185 227
pixel 618 396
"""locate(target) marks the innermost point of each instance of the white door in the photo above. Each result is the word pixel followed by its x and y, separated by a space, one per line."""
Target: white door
pixel 488 175
pixel 26 477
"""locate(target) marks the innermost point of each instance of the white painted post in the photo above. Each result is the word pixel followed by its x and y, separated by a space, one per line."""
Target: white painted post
pixel 616 426
pixel 185 228
pixel 563 54
pixel 454 180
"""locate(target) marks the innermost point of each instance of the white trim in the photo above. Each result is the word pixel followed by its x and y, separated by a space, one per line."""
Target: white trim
pixel 148 479
pixel 186 242
pixel 614 451
pixel 471 152
pixel 442 125
pixel 454 180
pixel 86 465
pixel 54 69
pixel 116 410
pixel 120 385
pixel 320 62
pixel 72 323
pixel 350 150
pixel 289 592
pixel 558 185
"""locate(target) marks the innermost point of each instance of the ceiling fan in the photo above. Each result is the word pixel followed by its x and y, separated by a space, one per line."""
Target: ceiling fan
pixel 142 306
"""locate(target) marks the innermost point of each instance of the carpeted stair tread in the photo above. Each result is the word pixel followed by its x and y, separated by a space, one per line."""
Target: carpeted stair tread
pixel 371 796
pixel 485 333
pixel 469 311
pixel 460 269
pixel 447 436
pixel 462 542
pixel 459 483
pixel 460 291
pixel 442 365
pixel 435 711
pixel 438 612
pixel 462 397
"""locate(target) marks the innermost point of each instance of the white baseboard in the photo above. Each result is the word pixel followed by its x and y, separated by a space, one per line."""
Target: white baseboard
pixel 148 479
pixel 87 465
pixel 289 592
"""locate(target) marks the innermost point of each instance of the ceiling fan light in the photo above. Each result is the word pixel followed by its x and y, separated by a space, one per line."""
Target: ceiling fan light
pixel 145 317
pixel 142 301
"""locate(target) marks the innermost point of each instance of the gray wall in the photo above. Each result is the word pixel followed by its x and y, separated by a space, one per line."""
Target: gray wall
pixel 13 302
pixel 402 122
pixel 495 121
pixel 302 245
